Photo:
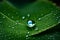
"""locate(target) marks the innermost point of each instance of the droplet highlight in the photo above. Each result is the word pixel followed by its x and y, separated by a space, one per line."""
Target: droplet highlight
pixel 31 24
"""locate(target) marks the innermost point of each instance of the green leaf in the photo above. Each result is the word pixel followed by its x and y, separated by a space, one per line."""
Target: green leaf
pixel 51 34
pixel 11 18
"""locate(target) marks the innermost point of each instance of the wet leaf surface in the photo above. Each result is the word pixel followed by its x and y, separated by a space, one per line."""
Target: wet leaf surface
pixel 13 21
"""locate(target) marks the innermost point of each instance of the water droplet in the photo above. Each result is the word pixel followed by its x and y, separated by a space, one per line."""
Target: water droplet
pixel 31 24
pixel 41 14
pixel 36 28
pixel 51 36
pixel 0 33
pixel 4 10
pixel 23 17
pixel 57 17
pixel 28 15
pixel 27 36
pixel 59 21
pixel 16 23
pixel 13 27
pixel 3 17
pixel 28 32
pixel 9 38
pixel 9 26
pixel 0 22
pixel 39 38
pixel 5 35
pixel 2 36
pixel 16 12
pixel 55 14
pixel 48 38
pixel 12 17
pixel 17 20
pixel 8 14
pixel 48 25
pixel 33 37
pixel 39 18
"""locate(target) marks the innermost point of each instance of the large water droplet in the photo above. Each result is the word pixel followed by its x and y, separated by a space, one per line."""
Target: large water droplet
pixel 31 23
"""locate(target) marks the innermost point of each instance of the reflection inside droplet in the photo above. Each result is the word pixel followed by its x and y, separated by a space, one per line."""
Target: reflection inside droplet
pixel 31 23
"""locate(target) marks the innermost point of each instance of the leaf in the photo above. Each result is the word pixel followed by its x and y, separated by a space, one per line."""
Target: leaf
pixel 51 34
pixel 11 18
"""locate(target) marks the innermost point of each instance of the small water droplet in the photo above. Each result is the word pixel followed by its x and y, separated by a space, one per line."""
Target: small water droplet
pixel 39 18
pixel 9 38
pixel 3 17
pixel 36 28
pixel 28 15
pixel 9 26
pixel 16 23
pixel 4 10
pixel 0 22
pixel 55 14
pixel 16 12
pixel 59 21
pixel 27 36
pixel 0 33
pixel 2 36
pixel 33 37
pixel 23 17
pixel 48 25
pixel 48 38
pixel 13 27
pixel 31 24
pixel 8 14
pixel 17 20
pixel 12 17
pixel 41 14
pixel 51 36
pixel 5 35
pixel 28 32
pixel 39 38
pixel 57 17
